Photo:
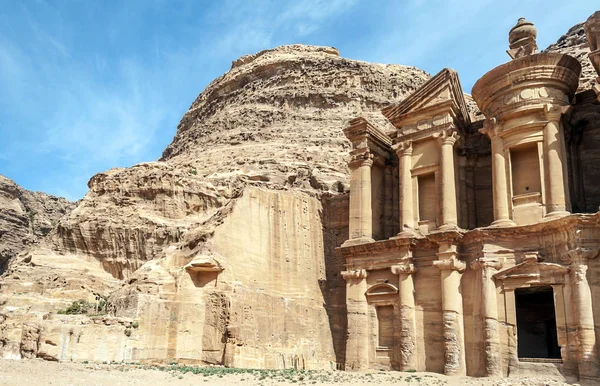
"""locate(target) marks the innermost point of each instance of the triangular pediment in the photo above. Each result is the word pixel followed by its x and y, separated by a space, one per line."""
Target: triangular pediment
pixel 532 270
pixel 442 89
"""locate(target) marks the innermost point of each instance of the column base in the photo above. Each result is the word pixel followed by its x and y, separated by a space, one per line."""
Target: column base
pixel 358 241
pixel 503 223
pixel 404 234
pixel 448 227
pixel 556 214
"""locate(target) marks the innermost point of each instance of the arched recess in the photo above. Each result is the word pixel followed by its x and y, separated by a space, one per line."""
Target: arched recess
pixel 382 292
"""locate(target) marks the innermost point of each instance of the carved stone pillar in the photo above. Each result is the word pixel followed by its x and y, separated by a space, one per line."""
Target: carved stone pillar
pixel 493 359
pixel 357 344
pixel 449 217
pixel 556 202
pixel 408 329
pixel 500 188
pixel 451 270
pixel 407 218
pixel 361 215
pixel 589 368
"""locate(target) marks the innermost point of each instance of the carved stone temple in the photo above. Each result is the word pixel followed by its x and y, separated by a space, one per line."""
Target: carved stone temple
pixel 472 247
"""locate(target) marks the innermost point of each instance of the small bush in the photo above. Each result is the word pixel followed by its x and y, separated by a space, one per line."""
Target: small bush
pixel 76 308
pixel 80 307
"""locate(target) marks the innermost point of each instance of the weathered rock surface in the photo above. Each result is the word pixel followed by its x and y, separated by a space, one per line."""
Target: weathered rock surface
pixel 575 44
pixel 26 217
pixel 276 116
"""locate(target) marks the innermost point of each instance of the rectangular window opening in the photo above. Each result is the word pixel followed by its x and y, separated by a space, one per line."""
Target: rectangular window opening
pixel 536 324
pixel 427 197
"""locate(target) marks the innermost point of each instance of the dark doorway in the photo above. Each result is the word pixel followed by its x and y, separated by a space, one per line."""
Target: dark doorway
pixel 536 323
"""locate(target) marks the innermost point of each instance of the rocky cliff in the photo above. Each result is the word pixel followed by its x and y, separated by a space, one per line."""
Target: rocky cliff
pixel 574 43
pixel 26 217
pixel 220 251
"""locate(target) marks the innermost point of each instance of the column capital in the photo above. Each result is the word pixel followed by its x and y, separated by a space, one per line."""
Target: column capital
pixel 449 261
pixel 491 127
pixel 403 148
pixel 495 263
pixel 361 159
pixel 554 112
pixel 447 136
pixel 405 266
pixel 354 274
pixel 580 255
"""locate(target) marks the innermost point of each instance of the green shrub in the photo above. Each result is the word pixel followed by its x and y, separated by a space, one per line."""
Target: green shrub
pixel 76 308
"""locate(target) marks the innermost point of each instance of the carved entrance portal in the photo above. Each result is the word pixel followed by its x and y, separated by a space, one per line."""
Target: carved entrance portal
pixel 536 324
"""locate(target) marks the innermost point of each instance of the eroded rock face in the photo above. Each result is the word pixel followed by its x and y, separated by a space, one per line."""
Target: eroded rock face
pixel 276 116
pixel 575 44
pixel 26 217
pixel 217 251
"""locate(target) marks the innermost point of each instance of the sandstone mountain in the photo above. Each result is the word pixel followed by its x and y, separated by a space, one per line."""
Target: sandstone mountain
pixel 217 251
pixel 26 217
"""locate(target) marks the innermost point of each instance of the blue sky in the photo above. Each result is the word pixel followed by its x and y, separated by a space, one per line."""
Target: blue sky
pixel 90 85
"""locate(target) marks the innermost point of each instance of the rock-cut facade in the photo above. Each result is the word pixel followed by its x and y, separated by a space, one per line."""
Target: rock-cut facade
pixel 473 240
pixel 316 212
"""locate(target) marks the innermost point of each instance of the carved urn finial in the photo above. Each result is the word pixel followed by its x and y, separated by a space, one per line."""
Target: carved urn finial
pixel 521 39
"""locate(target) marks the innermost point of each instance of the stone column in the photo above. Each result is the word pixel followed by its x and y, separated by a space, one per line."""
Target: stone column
pixel 408 329
pixel 556 196
pixel 361 215
pixel 449 217
pixel 491 338
pixel 500 188
pixel 357 344
pixel 407 218
pixel 452 311
pixel 589 368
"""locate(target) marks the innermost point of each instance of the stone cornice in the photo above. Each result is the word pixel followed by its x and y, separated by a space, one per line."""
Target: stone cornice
pixel 489 234
pixel 483 247
pixel 389 245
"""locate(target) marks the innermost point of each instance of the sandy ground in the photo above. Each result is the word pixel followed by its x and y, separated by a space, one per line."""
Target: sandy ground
pixel 38 372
